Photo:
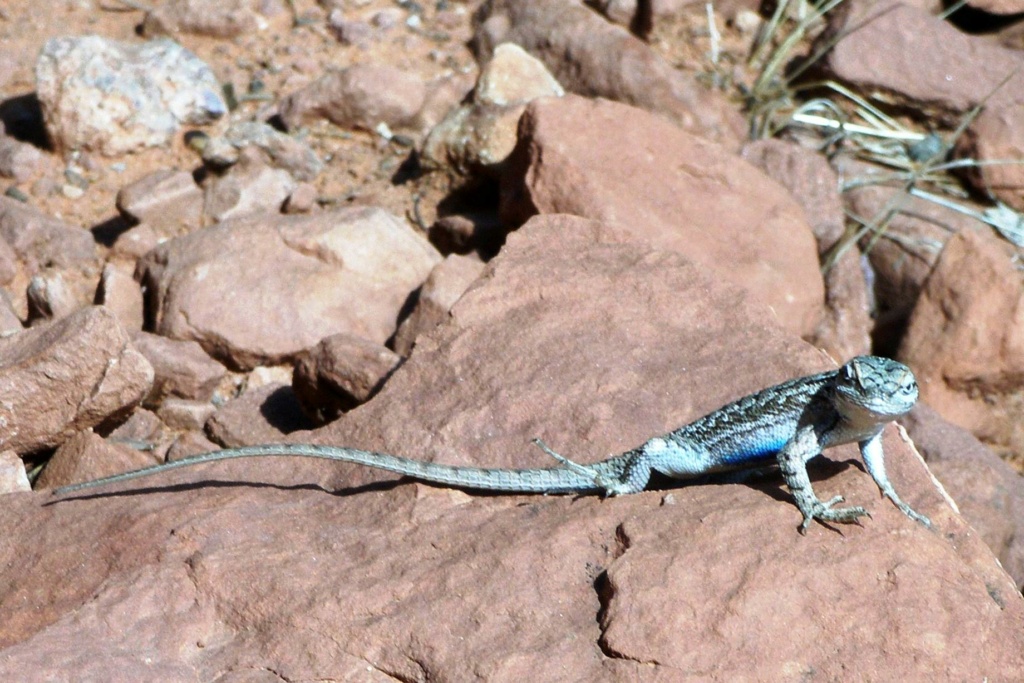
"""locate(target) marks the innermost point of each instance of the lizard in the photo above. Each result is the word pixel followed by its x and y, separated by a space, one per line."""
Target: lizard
pixel 784 425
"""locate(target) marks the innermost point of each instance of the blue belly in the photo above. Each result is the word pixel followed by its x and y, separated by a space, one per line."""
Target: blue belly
pixel 754 453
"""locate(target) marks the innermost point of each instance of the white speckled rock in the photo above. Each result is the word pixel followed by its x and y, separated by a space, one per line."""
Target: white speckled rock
pixel 114 97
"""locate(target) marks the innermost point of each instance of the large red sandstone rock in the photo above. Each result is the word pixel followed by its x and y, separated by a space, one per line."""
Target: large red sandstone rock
pixel 181 368
pixel 919 60
pixel 909 232
pixel 988 491
pixel 421 583
pixel 925 64
pixel 669 188
pixel 260 290
pixel 262 415
pixel 120 294
pixel 442 288
pixel 966 339
pixel 845 326
pixel 595 354
pixel 996 139
pixel 248 188
pixel 998 6
pixel 164 199
pixel 87 455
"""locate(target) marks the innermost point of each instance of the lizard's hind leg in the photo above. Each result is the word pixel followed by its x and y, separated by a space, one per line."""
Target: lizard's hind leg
pixel 610 485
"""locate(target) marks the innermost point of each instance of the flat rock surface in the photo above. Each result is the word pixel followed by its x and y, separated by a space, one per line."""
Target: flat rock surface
pixel 282 566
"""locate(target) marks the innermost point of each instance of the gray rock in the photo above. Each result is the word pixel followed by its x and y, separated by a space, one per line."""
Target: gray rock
pixel 249 187
pixel 163 199
pixel 282 151
pixel 18 160
pixel 114 97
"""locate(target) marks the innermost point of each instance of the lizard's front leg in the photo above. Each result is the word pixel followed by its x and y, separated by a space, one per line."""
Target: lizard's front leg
pixel 874 459
pixel 793 463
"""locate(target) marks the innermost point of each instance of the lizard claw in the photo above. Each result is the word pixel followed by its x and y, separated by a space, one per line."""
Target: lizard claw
pixel 826 513
pixel 907 510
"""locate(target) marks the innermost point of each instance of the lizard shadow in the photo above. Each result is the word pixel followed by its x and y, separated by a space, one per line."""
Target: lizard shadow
pixel 220 483
pixel 766 479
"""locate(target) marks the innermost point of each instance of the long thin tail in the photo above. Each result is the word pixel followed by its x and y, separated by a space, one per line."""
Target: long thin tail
pixel 553 480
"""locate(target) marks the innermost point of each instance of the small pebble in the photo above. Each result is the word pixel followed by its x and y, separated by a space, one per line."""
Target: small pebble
pixel 196 140
pixel 14 193
pixel 75 178
pixel 747 22
pixel 302 199
pixel 402 140
pixel 929 147
pixel 306 65
pixel 71 191
pixel 387 18
pixel 228 89
pixel 44 187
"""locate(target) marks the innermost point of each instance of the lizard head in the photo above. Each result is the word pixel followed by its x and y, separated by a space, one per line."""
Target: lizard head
pixel 874 390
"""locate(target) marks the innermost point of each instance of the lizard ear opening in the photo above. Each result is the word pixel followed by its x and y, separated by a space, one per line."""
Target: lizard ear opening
pixel 851 371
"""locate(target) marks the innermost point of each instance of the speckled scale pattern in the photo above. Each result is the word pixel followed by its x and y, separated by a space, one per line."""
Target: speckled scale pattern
pixel 754 428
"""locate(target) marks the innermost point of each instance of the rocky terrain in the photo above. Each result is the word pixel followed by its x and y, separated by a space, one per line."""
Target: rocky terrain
pixel 441 229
